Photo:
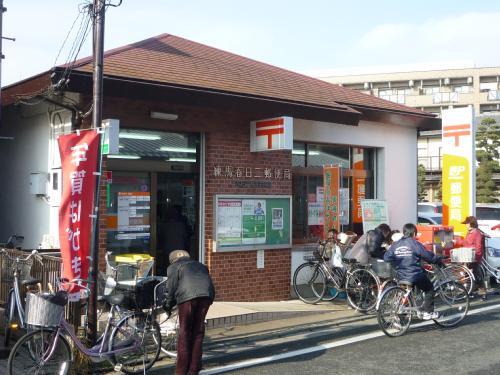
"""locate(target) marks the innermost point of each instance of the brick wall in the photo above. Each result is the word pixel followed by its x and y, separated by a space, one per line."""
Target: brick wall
pixel 235 274
pixel 227 132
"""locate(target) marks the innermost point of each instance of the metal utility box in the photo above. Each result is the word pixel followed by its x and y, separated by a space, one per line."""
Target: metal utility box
pixel 38 183
pixel 436 238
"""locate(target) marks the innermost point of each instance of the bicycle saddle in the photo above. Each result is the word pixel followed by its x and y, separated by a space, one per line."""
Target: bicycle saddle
pixel 349 260
pixel 115 299
pixel 30 282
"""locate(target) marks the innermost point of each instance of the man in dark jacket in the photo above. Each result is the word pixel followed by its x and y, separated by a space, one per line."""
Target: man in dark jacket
pixel 369 245
pixel 190 287
pixel 407 254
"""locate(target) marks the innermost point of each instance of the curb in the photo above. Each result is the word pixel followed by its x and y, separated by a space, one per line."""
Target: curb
pixel 257 317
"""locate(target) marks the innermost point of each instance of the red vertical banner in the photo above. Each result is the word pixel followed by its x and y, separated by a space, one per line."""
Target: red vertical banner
pixel 358 185
pixel 79 154
pixel 331 182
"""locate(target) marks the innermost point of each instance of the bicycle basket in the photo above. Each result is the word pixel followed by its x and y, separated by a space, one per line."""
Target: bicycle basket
pixel 140 295
pixel 42 312
pixel 9 265
pixel 463 255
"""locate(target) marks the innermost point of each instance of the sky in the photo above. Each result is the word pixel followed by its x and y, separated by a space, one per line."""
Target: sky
pixel 318 37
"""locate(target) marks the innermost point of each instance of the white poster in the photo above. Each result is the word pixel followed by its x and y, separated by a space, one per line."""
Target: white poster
pixel 277 222
pixel 320 194
pixel 315 213
pixel 344 206
pixel 229 221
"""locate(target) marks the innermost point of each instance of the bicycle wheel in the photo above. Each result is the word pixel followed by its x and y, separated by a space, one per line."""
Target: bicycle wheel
pixel 29 355
pixel 138 339
pixel 8 318
pixel 332 289
pixel 461 274
pixel 391 315
pixel 451 301
pixel 169 329
pixel 309 282
pixel 362 289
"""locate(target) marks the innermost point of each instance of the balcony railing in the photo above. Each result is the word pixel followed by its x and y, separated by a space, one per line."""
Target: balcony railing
pixel 445 97
pixel 431 163
pixel 493 95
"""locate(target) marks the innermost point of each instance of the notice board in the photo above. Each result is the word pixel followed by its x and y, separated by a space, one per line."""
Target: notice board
pixel 252 222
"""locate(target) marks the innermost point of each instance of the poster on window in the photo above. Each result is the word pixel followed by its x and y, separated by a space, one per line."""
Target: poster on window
pixel 374 213
pixel 344 206
pixel 79 152
pixel 315 212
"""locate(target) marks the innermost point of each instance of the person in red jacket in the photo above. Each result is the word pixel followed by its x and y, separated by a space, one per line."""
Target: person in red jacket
pixel 475 239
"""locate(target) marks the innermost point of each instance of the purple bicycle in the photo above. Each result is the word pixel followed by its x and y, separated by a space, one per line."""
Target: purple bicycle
pixel 130 342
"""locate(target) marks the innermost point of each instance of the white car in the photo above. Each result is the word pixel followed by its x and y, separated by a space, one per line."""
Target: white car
pixel 488 215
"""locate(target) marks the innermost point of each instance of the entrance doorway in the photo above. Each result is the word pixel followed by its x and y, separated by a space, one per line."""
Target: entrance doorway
pixel 176 216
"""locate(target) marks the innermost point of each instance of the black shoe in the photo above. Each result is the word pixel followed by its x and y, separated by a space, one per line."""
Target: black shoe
pixel 484 298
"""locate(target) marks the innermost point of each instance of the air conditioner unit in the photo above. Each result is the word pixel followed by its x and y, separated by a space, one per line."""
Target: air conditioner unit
pixel 446 81
pixel 469 80
pixel 411 83
pixel 367 85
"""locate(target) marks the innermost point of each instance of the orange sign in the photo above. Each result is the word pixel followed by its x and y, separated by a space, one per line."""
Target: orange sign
pixel 358 186
pixel 331 182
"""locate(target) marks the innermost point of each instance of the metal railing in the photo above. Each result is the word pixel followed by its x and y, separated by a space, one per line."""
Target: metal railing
pixel 431 163
pixel 48 271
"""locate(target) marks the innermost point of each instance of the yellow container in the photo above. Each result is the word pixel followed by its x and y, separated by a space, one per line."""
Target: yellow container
pixel 132 258
pixel 140 266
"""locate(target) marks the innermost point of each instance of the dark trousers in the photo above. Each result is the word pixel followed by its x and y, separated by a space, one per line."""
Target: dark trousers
pixel 191 332
pixel 425 285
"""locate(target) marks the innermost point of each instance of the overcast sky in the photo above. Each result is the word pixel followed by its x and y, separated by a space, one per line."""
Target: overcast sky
pixel 306 36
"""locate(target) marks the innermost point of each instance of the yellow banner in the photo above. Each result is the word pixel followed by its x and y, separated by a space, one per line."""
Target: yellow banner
pixel 456 192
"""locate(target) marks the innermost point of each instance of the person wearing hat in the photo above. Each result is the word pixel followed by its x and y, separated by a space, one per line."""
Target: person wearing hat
pixel 475 239
pixel 190 287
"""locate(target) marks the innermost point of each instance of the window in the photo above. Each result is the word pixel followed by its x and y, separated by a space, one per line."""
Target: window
pixel 307 186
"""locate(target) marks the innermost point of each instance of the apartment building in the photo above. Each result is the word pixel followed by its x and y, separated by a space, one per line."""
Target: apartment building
pixel 430 88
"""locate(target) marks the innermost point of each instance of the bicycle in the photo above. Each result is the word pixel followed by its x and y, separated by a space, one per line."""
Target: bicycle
pixel 131 345
pixel 169 325
pixel 399 304
pixel 315 277
pixel 459 272
pixel 19 267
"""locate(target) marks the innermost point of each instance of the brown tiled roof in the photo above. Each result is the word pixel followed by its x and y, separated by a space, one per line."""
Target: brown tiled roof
pixel 171 60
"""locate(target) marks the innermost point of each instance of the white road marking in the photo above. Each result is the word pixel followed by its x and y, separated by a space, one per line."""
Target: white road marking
pixel 313 349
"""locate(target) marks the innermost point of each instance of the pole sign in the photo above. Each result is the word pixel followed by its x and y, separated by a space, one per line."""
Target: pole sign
pixel 271 134
pixel 459 168
pixel 331 182
pixel 358 185
pixel 79 163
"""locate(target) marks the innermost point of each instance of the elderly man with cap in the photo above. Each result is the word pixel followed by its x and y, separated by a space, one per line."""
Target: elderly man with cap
pixel 475 239
pixel 190 287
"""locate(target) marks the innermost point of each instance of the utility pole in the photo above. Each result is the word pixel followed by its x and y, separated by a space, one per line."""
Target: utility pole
pixel 2 10
pixel 98 55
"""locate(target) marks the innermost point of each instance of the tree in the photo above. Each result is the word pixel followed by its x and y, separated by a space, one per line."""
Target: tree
pixel 488 156
pixel 421 190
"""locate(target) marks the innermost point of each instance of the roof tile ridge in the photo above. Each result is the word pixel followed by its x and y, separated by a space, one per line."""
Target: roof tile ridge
pixel 113 51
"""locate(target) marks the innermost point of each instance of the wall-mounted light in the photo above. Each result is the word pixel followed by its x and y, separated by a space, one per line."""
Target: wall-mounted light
pixel 163 116
pixel 185 160
pixel 178 149
pixel 124 156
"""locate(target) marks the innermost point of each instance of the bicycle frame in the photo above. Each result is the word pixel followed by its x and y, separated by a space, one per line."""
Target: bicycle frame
pixel 490 270
pixel 65 329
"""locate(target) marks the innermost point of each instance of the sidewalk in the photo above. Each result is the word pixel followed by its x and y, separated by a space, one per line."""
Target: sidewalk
pixel 223 314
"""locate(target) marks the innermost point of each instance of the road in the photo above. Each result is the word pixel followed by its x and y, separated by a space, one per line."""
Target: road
pixel 471 348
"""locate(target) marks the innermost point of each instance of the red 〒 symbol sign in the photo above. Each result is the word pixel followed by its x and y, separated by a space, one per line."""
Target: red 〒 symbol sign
pixel 456 131
pixel 272 127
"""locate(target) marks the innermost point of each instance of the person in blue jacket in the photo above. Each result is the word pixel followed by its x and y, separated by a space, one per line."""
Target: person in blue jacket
pixel 407 255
